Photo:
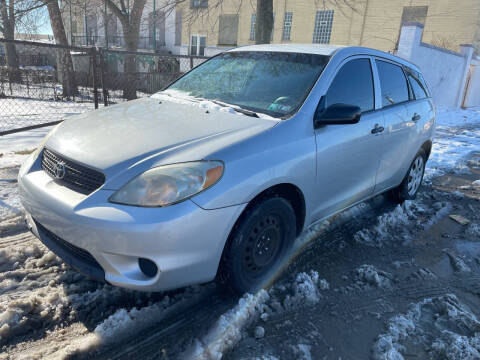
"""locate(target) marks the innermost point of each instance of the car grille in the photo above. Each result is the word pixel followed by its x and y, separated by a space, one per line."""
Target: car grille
pixel 71 249
pixel 76 177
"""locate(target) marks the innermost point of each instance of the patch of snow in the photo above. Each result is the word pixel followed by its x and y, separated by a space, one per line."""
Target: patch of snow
pixel 370 275
pixel 443 326
pixel 387 223
pixel 302 352
pixel 180 97
pixel 227 330
pixel 259 332
pixel 305 290
pixel 457 262
pixel 457 134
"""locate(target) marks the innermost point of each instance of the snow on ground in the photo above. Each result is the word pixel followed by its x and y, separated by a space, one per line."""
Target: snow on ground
pixel 442 326
pixel 457 134
pixel 14 149
pixel 412 213
pixel 304 290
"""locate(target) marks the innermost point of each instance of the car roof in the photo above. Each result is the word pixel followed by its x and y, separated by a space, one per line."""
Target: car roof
pixel 326 50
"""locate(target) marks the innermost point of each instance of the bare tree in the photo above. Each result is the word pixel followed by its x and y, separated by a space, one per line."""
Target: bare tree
pixel 8 29
pixel 64 58
pixel 264 21
pixel 130 20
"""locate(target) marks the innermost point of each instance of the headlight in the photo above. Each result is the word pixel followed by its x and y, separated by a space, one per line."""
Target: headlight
pixel 170 184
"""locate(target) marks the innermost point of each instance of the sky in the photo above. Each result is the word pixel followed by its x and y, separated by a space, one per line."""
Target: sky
pixel 46 28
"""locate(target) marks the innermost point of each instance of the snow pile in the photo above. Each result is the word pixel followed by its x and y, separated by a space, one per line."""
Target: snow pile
pixel 389 223
pixel 306 290
pixel 393 224
pixel 302 352
pixel 473 230
pixel 227 331
pixel 457 262
pixel 443 327
pixel 369 275
pixel 22 315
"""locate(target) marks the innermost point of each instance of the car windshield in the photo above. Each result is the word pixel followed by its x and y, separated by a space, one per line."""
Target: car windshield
pixel 262 82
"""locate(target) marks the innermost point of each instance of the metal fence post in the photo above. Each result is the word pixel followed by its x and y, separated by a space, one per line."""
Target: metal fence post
pixel 191 62
pixel 94 69
pixel 102 76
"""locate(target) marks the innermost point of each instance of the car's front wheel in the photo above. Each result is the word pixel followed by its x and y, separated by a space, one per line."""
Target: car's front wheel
pixel 410 185
pixel 258 244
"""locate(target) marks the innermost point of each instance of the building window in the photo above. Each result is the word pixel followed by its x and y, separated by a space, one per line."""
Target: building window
pixel 323 26
pixel 287 26
pixel 252 27
pixel 74 27
pixel 157 22
pixel 196 4
pixel 197 45
pixel 228 30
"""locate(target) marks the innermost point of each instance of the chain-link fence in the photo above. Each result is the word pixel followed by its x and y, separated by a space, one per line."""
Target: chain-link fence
pixel 42 83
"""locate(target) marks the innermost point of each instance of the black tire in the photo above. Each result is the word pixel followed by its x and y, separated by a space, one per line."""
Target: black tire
pixel 402 192
pixel 257 245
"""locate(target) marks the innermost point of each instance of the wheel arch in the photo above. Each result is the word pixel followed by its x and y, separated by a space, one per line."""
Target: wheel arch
pixel 288 191
pixel 427 147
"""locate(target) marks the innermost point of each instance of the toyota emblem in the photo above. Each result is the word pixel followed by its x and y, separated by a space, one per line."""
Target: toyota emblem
pixel 60 170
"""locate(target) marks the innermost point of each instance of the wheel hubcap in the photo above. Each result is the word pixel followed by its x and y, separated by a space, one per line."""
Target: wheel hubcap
pixel 415 176
pixel 263 245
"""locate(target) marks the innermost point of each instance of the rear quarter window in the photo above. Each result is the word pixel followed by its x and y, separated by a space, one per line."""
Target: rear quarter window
pixel 418 88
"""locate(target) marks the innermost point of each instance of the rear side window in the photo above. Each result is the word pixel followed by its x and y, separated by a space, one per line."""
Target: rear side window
pixel 352 85
pixel 418 90
pixel 393 83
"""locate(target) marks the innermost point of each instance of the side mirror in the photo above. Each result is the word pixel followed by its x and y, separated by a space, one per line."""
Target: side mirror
pixel 338 114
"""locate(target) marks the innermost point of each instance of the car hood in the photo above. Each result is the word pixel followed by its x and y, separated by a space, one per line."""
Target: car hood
pixel 115 138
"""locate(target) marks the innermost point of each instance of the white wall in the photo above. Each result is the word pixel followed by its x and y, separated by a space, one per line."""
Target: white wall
pixel 472 95
pixel 444 71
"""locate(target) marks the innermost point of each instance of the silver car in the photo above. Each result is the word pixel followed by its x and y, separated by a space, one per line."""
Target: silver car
pixel 215 176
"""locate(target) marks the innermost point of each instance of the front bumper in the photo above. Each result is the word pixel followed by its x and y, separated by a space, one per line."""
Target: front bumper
pixel 184 241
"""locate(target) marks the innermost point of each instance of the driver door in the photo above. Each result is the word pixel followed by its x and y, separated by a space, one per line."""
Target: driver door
pixel 348 155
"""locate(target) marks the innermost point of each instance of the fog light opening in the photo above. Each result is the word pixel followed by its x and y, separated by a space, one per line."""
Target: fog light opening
pixel 148 267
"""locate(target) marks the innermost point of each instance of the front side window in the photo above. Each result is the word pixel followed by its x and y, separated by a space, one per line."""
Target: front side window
pixel 393 83
pixel 353 85
pixel 267 82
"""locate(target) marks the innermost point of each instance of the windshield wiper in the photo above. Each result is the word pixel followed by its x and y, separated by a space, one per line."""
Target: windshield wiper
pixel 236 108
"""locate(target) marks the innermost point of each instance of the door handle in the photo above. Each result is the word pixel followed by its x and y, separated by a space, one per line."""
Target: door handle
pixel 416 117
pixel 377 129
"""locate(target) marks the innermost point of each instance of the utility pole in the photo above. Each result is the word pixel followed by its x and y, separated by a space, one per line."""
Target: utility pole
pixel 154 27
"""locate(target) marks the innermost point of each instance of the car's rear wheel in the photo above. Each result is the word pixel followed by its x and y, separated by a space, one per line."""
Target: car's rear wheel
pixel 257 245
pixel 412 181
